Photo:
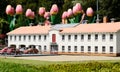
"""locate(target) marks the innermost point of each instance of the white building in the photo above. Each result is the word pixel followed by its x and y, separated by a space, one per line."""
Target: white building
pixel 83 39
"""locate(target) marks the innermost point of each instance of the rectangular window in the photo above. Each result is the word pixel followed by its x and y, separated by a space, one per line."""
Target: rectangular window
pixel 96 49
pixel 89 48
pixel 96 36
pixel 69 37
pixel 10 37
pixel 45 49
pixel 82 37
pixel 24 37
pixel 39 37
pixel 40 48
pixel 63 48
pixel 15 38
pixel 111 48
pixel 103 49
pixel 89 36
pixel 82 48
pixel 63 37
pixel 53 38
pixel 103 36
pixel 111 36
pixel 19 38
pixel 75 48
pixel 75 37
pixel 44 37
pixel 29 37
pixel 34 37
pixel 69 48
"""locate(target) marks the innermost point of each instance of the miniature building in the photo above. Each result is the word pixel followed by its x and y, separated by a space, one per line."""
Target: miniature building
pixel 82 39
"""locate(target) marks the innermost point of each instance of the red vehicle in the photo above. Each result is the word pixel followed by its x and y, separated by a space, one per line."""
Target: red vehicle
pixel 11 51
pixel 31 51
pixel 4 50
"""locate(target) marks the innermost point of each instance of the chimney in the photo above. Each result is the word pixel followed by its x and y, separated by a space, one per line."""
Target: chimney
pixel 97 20
pixel 112 20
pixel 105 19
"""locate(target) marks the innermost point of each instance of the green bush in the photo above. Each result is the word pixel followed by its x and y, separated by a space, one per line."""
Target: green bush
pixel 78 67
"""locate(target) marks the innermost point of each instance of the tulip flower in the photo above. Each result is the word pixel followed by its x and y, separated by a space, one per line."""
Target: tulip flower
pixel 19 9
pixel 69 13
pixel 89 12
pixel 47 15
pixel 64 15
pixel 54 9
pixel 30 14
pixel 41 11
pixel 9 10
pixel 77 8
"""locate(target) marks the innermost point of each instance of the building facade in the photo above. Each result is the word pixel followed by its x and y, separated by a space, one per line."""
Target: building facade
pixel 78 39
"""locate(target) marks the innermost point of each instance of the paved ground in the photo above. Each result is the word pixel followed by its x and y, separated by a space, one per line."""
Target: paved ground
pixel 67 58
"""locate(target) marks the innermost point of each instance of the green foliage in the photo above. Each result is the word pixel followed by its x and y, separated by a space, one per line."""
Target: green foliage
pixel 60 67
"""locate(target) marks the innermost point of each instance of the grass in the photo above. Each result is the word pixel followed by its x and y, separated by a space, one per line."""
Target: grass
pixel 34 62
pixel 20 65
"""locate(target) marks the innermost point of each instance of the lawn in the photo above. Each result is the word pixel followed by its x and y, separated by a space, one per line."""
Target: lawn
pixel 19 65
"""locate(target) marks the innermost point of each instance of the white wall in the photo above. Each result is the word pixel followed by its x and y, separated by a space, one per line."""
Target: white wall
pixel 107 43
pixel 118 42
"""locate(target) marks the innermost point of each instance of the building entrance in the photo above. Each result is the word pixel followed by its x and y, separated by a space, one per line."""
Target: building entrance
pixel 54 49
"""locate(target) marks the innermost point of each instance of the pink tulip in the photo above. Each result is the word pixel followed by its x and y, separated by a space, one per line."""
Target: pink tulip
pixel 77 8
pixel 89 11
pixel 30 14
pixel 47 15
pixel 64 15
pixel 19 9
pixel 69 13
pixel 41 11
pixel 54 9
pixel 9 10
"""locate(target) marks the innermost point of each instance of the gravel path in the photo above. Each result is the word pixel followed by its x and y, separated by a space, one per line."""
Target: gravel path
pixel 68 58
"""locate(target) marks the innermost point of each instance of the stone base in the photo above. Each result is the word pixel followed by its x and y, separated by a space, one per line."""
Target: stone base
pixel 89 54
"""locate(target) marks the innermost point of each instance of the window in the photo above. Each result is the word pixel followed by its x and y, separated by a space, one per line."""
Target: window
pixel 96 48
pixel 15 37
pixel 111 36
pixel 69 37
pixel 39 48
pixel 89 37
pixel 10 37
pixel 29 37
pixel 96 36
pixel 63 48
pixel 69 48
pixel 103 36
pixel 89 48
pixel 75 48
pixel 39 37
pixel 45 48
pixel 75 37
pixel 34 37
pixel 82 48
pixel 63 37
pixel 44 37
pixel 24 37
pixel 82 37
pixel 19 38
pixel 103 49
pixel 54 38
pixel 111 48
